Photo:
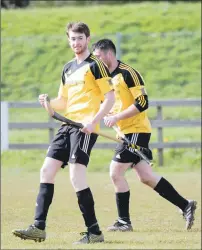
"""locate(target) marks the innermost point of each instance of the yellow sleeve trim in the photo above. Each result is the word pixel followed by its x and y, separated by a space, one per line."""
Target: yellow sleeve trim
pixel 142 101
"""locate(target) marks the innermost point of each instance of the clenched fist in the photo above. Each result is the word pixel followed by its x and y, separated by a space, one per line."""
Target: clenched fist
pixel 42 99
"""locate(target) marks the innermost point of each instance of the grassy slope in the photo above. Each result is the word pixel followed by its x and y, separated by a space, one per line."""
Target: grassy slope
pixel 34 51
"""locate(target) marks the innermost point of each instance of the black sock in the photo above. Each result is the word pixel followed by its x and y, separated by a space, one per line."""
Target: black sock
pixel 122 202
pixel 43 202
pixel 167 191
pixel 86 205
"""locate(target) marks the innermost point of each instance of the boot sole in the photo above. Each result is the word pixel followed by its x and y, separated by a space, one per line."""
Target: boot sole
pixel 26 237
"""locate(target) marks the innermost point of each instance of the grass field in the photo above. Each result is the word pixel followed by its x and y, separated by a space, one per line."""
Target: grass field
pixel 157 224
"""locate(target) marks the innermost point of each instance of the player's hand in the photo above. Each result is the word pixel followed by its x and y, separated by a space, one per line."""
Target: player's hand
pixel 88 128
pixel 42 98
pixel 110 121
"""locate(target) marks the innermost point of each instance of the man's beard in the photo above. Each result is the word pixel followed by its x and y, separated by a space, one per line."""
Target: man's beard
pixel 81 51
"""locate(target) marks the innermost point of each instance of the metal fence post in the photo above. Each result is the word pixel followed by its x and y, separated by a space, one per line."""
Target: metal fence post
pixel 4 126
pixel 118 45
pixel 160 136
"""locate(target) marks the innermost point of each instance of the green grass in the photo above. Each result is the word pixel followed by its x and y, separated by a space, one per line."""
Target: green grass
pixel 157 224
pixel 34 52
pixel 175 160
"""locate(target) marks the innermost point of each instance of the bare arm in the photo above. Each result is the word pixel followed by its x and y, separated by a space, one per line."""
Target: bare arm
pixel 127 113
pixel 103 111
pixel 59 103
pixel 105 107
pixel 140 105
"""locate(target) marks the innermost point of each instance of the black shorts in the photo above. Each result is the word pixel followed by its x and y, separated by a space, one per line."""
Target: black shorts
pixel 124 154
pixel 71 145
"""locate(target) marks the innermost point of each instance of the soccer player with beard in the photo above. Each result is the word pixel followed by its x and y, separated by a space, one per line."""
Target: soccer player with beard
pixel 84 81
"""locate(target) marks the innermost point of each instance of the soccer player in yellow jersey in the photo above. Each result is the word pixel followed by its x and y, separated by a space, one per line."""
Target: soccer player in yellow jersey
pixel 85 80
pixel 129 113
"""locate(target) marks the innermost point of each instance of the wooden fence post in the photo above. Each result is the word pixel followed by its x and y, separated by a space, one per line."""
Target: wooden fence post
pixel 160 135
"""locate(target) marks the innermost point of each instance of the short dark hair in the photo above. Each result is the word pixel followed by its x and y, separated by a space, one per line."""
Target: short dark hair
pixel 78 27
pixel 104 44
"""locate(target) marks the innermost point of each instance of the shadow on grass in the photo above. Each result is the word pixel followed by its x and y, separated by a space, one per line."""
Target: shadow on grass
pixel 119 241
pixel 168 230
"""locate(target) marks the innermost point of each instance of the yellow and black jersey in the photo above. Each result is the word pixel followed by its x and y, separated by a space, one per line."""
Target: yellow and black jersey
pixel 129 89
pixel 83 85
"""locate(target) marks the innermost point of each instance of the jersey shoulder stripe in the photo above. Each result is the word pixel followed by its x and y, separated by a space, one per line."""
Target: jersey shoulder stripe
pixel 134 74
pixel 100 65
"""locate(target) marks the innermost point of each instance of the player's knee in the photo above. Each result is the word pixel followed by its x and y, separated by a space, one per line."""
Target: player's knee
pixel 146 179
pixel 78 183
pixel 78 176
pixel 115 177
pixel 46 175
pixel 75 180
